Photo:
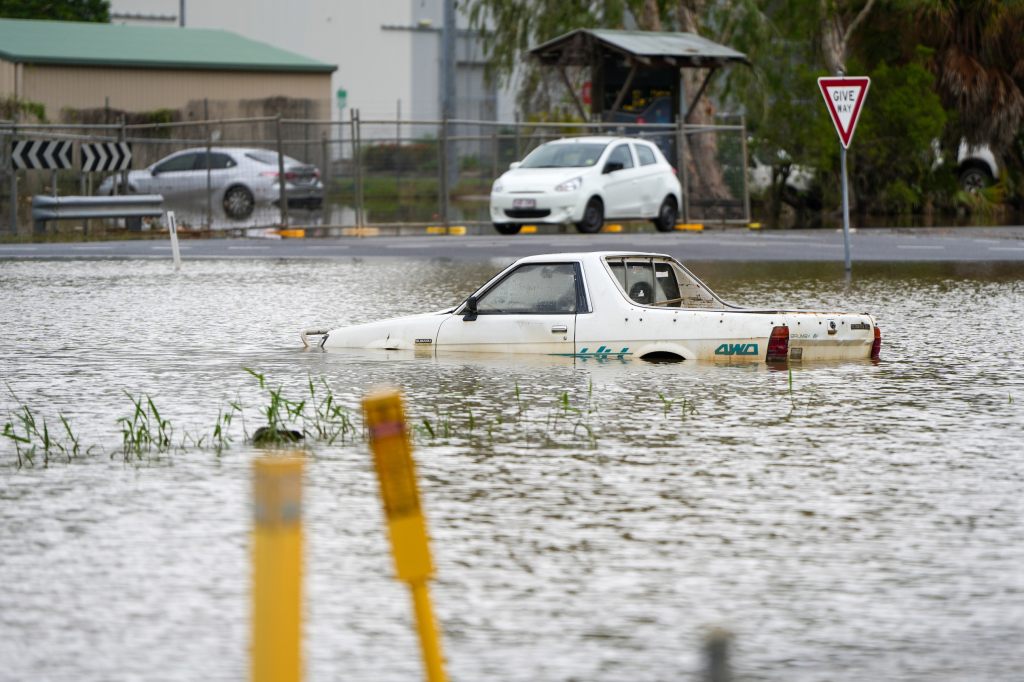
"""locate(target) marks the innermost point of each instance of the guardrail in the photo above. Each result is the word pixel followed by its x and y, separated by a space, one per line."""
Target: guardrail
pixel 133 207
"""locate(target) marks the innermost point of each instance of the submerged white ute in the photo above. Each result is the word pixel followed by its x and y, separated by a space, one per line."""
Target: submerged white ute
pixel 613 304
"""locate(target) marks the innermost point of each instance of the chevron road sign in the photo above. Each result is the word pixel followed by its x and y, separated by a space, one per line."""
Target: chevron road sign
pixel 41 154
pixel 106 156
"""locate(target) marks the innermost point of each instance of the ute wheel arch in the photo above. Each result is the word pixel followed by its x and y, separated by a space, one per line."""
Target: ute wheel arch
pixel 662 356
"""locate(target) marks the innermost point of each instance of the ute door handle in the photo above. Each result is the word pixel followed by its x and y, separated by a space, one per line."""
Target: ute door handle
pixel 559 329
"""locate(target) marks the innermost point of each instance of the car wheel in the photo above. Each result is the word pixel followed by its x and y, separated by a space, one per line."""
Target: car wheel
pixel 667 215
pixel 593 217
pixel 507 228
pixel 973 179
pixel 238 202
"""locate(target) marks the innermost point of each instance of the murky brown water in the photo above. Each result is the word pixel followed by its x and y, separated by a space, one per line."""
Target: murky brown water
pixel 874 531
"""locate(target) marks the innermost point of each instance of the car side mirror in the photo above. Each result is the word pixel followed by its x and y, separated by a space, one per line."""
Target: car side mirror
pixel 514 165
pixel 612 166
pixel 469 310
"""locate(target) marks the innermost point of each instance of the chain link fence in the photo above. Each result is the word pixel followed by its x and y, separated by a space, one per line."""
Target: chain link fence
pixel 226 174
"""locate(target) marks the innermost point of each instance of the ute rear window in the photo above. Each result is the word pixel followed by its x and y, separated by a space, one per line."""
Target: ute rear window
pixel 660 282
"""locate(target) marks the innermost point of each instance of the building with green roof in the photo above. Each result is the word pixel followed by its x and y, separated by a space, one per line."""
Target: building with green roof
pixel 73 67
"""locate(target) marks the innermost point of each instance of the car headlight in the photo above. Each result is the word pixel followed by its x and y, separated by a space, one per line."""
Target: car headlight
pixel 497 186
pixel 570 185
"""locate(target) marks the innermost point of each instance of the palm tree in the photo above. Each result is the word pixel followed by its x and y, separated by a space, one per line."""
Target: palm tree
pixel 979 64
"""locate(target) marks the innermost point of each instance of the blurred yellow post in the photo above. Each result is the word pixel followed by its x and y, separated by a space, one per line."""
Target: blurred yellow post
pixel 277 570
pixel 396 471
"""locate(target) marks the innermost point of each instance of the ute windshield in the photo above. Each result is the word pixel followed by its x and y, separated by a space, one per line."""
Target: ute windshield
pixel 565 155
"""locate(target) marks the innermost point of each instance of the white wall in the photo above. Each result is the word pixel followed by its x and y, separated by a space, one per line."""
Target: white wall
pixel 373 64
pixel 377 67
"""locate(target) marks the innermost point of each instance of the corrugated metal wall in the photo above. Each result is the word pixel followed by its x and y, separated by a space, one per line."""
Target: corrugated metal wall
pixel 139 90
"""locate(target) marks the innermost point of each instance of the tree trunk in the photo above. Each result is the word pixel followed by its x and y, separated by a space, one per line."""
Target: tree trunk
pixel 650 19
pixel 703 168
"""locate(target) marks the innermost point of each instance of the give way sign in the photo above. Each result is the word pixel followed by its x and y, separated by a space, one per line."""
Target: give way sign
pixel 844 97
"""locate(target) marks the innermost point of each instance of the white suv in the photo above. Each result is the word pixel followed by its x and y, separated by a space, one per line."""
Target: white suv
pixel 584 181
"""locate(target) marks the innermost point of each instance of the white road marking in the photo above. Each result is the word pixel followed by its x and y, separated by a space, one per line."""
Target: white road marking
pixel 920 246
pixel 248 248
pixel 1006 248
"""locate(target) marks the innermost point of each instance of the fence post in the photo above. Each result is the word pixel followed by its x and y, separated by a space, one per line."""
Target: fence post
pixel 443 185
pixel 681 164
pixel 209 178
pixel 282 195
pixel 14 178
pixel 357 164
pixel 746 186
pixel 324 159
pixel 517 138
pixel 497 152
pixel 122 135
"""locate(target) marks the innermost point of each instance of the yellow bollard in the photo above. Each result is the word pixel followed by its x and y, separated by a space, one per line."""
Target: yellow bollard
pixel 396 471
pixel 277 570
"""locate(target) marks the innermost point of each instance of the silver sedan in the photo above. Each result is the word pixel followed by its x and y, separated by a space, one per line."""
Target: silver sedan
pixel 238 177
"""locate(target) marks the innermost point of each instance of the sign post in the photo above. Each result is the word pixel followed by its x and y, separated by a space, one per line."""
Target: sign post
pixel 844 98
pixel 396 471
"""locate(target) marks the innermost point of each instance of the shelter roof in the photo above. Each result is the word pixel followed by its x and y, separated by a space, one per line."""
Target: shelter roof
pixel 579 48
pixel 149 47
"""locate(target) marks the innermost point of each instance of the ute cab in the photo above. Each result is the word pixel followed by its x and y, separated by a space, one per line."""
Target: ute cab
pixel 614 304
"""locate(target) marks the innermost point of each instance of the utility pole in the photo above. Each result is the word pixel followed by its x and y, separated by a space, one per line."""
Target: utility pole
pixel 448 82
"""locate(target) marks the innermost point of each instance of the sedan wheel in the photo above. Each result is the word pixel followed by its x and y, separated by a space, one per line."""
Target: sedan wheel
pixel 667 215
pixel 507 228
pixel 593 217
pixel 238 202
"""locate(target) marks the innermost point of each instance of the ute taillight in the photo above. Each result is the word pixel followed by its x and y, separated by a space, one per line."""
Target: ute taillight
pixel 778 344
pixel 876 345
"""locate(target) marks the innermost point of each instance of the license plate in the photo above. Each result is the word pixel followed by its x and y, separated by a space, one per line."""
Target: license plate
pixel 524 203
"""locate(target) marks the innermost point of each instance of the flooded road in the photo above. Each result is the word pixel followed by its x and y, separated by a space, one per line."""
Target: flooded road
pixel 590 519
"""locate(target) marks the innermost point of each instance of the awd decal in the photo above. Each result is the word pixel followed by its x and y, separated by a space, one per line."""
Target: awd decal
pixel 737 349
pixel 424 341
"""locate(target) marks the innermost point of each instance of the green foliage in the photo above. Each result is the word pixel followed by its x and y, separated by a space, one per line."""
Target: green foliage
pixel 145 430
pixel 11 108
pixel 893 156
pixel 57 10
pixel 419 156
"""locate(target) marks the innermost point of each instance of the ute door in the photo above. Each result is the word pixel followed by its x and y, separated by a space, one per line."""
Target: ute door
pixel 532 309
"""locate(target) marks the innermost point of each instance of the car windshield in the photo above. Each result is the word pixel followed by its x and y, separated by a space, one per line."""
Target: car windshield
pixel 565 155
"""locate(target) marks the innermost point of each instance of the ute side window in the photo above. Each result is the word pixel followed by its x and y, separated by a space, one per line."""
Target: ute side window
pixel 536 288
pixel 660 282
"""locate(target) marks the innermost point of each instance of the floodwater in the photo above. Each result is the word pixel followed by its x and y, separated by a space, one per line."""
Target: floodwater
pixel 867 523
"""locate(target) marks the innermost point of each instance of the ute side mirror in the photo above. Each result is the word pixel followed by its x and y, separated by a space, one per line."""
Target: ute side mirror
pixel 470 309
pixel 514 165
pixel 612 166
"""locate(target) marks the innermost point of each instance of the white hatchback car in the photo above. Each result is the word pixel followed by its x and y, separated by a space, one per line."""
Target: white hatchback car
pixel 584 181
